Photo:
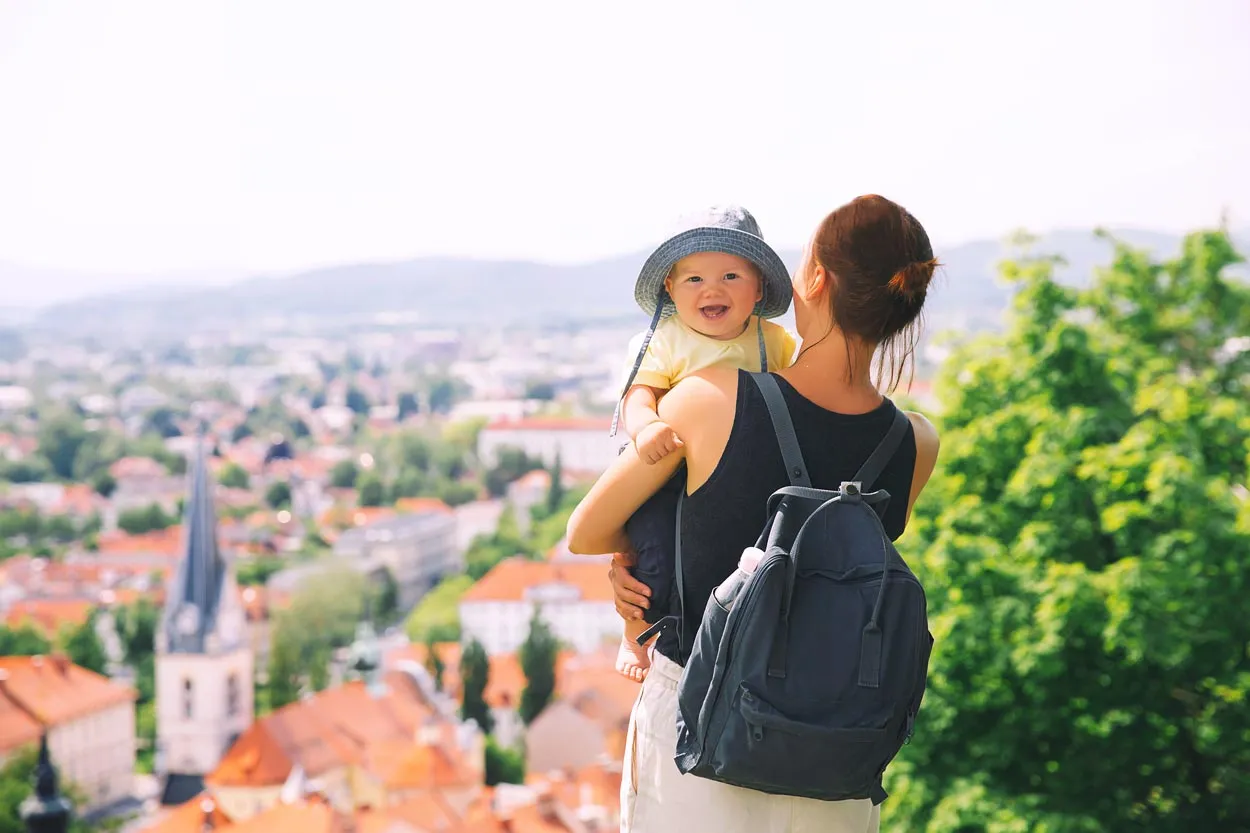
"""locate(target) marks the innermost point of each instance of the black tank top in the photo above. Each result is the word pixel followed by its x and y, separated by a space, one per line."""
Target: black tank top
pixel 726 514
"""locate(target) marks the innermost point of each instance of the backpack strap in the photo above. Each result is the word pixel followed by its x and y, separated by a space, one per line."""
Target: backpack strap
pixel 880 457
pixel 783 426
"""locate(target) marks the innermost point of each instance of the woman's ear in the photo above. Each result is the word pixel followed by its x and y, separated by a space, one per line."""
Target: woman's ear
pixel 812 282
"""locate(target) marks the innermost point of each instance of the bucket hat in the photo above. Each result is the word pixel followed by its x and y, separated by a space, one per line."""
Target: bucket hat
pixel 730 229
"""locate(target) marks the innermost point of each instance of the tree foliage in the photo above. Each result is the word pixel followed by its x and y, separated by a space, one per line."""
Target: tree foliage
pixel 23 641
pixel 510 465
pixel 146 519
pixel 321 616
pixel 434 663
pixel 538 662
pixel 82 645
pixel 485 551
pixel 278 494
pixel 1084 547
pixel 503 765
pixel 437 616
pixel 474 674
pixel 234 476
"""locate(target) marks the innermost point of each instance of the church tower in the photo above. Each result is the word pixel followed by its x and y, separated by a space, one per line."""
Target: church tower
pixel 203 658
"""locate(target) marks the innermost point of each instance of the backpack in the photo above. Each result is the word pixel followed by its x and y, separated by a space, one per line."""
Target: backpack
pixel 805 676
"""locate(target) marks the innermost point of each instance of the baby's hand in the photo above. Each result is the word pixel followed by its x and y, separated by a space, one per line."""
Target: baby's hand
pixel 656 441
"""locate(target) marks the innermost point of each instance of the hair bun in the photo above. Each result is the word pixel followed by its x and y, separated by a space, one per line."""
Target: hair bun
pixel 913 279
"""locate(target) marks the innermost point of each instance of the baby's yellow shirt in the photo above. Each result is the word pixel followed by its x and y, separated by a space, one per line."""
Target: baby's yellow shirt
pixel 676 351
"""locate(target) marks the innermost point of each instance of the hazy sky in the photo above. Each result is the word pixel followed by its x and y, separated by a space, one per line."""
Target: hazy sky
pixel 274 135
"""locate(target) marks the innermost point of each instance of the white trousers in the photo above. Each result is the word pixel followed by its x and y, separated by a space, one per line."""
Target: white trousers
pixel 657 798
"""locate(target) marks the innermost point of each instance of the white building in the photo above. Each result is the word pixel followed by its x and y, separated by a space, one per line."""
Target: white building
pixel 575 600
pixel 89 721
pixel 479 517
pixel 418 549
pixel 15 398
pixel 204 660
pixel 583 445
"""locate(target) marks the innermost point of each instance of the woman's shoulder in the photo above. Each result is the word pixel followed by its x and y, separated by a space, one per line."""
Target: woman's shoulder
pixel 927 445
pixel 700 394
pixel 927 441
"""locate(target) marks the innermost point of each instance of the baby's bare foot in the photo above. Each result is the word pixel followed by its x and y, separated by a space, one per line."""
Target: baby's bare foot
pixel 632 660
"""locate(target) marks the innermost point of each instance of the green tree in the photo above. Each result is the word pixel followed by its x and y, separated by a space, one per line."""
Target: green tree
pixel 23 641
pixel 540 389
pixel 60 437
pixel 370 491
pixel 485 551
pixel 22 523
pixel 386 596
pixel 357 401
pixel 103 483
pixel 454 493
pixel 136 625
pixel 1082 547
pixel 433 662
pixel 321 616
pixel 538 662
pixel 474 674
pixel 437 616
pixel 82 645
pixel 162 421
pixel 443 394
pixel 406 405
pixel 510 465
pixel 343 475
pixel 146 519
pixel 555 493
pixel 278 495
pixel 285 670
pixel 257 570
pixel 503 765
pixel 234 476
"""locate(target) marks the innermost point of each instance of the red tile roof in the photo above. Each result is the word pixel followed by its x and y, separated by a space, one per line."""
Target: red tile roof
pixel 50 691
pixel 511 578
pixel 49 615
pixel 324 732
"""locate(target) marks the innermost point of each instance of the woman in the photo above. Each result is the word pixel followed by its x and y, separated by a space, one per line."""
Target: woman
pixel 857 293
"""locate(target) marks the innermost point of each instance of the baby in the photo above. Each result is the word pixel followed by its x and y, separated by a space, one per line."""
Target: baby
pixel 722 281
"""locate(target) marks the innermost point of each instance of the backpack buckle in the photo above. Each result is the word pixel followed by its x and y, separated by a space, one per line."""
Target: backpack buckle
pixel 851 488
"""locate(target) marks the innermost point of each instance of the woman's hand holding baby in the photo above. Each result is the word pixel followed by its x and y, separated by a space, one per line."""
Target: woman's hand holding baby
pixel 656 441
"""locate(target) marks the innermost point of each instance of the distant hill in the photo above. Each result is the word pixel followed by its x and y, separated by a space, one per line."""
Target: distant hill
pixel 432 292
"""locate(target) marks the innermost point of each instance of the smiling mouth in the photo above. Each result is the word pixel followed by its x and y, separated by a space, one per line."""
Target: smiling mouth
pixel 714 312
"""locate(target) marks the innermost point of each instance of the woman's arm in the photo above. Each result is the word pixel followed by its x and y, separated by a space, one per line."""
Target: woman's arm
pixel 597 525
pixel 926 456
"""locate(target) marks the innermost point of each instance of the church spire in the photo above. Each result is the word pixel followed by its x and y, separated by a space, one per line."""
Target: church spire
pixel 193 603
pixel 46 811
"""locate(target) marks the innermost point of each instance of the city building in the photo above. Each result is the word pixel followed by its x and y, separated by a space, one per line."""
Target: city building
pixel 575 599
pixel 582 444
pixel 418 549
pixel 89 721
pixel 204 660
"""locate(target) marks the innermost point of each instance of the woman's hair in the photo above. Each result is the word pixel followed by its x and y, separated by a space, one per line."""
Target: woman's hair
pixel 881 262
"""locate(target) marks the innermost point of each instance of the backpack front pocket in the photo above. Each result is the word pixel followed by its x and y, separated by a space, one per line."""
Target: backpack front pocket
pixel 803 757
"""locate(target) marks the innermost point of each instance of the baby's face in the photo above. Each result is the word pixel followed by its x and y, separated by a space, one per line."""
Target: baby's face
pixel 715 293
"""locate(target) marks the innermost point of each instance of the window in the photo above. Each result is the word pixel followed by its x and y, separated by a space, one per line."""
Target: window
pixel 188 699
pixel 232 695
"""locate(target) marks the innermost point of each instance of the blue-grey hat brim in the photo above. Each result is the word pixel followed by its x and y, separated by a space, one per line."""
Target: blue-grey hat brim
pixel 775 276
